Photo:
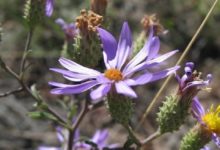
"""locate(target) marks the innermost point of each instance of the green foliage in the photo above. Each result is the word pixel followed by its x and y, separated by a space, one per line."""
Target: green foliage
pixel 41 115
pixel 195 139
pixel 172 114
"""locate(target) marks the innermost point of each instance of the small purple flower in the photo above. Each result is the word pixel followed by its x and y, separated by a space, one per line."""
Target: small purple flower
pixel 99 138
pixel 49 7
pixel 70 29
pixel 191 79
pixel 210 120
pixel 120 73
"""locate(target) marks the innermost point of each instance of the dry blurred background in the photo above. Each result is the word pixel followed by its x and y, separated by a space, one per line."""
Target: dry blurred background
pixel 180 18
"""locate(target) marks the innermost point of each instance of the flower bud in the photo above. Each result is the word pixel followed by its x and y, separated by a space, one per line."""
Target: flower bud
pixel 175 108
pixel 120 107
pixel 195 139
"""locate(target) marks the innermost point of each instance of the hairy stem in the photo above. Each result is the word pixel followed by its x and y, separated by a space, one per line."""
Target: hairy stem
pixel 148 109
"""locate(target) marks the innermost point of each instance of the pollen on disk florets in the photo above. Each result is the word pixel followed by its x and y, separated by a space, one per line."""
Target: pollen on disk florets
pixel 113 74
pixel 212 120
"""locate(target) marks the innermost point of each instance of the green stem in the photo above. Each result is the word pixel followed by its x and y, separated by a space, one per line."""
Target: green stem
pixel 27 47
pixel 148 109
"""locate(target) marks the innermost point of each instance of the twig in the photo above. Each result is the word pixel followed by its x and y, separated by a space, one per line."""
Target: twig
pixel 151 137
pixel 76 124
pixel 27 47
pixel 148 109
pixel 24 87
pixel 11 92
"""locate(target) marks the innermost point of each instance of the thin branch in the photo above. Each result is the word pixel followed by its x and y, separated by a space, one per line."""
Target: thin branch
pixel 132 135
pixel 81 115
pixel 27 89
pixel 27 47
pixel 11 92
pixel 148 109
pixel 151 137
pixel 76 124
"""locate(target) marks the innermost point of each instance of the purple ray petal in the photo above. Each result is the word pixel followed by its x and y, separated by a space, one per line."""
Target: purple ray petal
pixel 49 7
pixel 124 46
pixel 150 49
pixel 74 67
pixel 102 79
pixel 48 148
pixel 141 55
pixel 76 77
pixel 150 63
pixel 73 89
pixel 216 139
pixel 101 91
pixel 195 84
pixel 197 109
pixel 164 73
pixel 154 47
pixel 60 22
pixel 59 134
pixel 123 88
pixel 100 138
pixel 142 79
pixel 109 45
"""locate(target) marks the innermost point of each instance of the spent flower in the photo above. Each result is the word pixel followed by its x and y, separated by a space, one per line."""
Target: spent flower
pixel 120 74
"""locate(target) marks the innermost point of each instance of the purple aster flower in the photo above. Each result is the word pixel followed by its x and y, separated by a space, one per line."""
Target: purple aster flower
pixel 49 7
pixel 191 79
pixel 120 74
pixel 210 119
pixel 70 29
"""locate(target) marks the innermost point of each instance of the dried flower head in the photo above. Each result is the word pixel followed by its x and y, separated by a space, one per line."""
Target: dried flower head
pixel 88 21
pixel 98 6
pixel 149 21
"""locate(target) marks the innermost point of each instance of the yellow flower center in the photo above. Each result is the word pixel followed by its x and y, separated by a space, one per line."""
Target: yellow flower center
pixel 212 120
pixel 113 74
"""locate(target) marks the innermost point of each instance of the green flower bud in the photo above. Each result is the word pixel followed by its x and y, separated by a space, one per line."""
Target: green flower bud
pixel 172 114
pixel 120 107
pixel 195 139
